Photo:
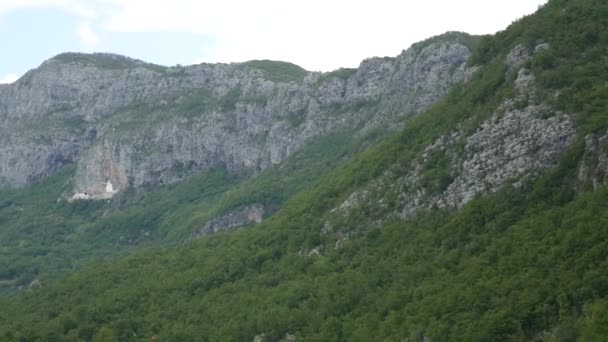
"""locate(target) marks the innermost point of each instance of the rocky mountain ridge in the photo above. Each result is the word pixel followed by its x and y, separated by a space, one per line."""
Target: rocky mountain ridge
pixel 482 219
pixel 519 140
pixel 523 137
pixel 126 123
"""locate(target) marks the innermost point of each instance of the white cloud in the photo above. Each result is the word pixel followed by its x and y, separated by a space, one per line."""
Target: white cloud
pixel 79 7
pixel 10 78
pixel 317 34
pixel 88 37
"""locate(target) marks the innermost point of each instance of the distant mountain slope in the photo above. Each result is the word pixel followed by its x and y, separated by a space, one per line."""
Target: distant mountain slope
pixel 484 219
pixel 131 123
pixel 101 126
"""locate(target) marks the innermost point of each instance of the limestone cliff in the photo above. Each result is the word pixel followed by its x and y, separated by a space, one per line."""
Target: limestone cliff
pixel 593 169
pixel 126 123
pixel 523 137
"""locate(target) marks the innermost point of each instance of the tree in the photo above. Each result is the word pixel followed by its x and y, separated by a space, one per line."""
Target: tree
pixel 105 334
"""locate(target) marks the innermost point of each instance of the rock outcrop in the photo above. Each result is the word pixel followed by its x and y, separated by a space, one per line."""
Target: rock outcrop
pixel 522 137
pixel 512 145
pixel 593 170
pixel 248 214
pixel 129 123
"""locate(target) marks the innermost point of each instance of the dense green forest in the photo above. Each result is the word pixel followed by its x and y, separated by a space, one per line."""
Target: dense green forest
pixel 42 233
pixel 523 263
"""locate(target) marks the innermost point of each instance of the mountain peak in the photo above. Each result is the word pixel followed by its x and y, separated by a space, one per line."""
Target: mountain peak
pixel 102 60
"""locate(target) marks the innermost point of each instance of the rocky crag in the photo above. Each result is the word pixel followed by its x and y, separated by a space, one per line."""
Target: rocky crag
pixel 523 137
pixel 248 214
pixel 126 123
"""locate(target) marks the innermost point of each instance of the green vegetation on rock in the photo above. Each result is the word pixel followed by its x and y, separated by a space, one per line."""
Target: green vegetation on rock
pixel 526 262
pixel 106 61
pixel 277 71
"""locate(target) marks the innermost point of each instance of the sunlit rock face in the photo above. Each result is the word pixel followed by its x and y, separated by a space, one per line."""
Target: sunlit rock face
pixel 520 139
pixel 130 123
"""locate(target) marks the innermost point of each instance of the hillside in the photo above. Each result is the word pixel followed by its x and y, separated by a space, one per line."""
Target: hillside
pixel 484 219
pixel 134 124
pixel 184 151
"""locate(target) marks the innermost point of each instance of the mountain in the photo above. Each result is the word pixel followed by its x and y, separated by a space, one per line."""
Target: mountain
pixel 128 123
pixel 183 152
pixel 484 218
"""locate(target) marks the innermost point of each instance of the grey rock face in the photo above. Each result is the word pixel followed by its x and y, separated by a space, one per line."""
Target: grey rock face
pixel 259 338
pixel 518 141
pixel 513 144
pixel 128 123
pixel 102 166
pixel 517 57
pixel 509 146
pixel 519 144
pixel 252 213
pixel 593 170
pixel 287 338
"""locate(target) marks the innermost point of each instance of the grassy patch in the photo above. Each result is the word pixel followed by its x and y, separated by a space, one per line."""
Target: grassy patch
pixel 277 71
pixel 107 61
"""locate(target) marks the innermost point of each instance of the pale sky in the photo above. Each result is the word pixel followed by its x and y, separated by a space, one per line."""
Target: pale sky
pixel 315 34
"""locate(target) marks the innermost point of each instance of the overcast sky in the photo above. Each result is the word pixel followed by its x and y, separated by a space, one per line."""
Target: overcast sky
pixel 315 34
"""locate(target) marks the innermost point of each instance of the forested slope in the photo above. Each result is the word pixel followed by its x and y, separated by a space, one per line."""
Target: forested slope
pixel 351 258
pixel 101 154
